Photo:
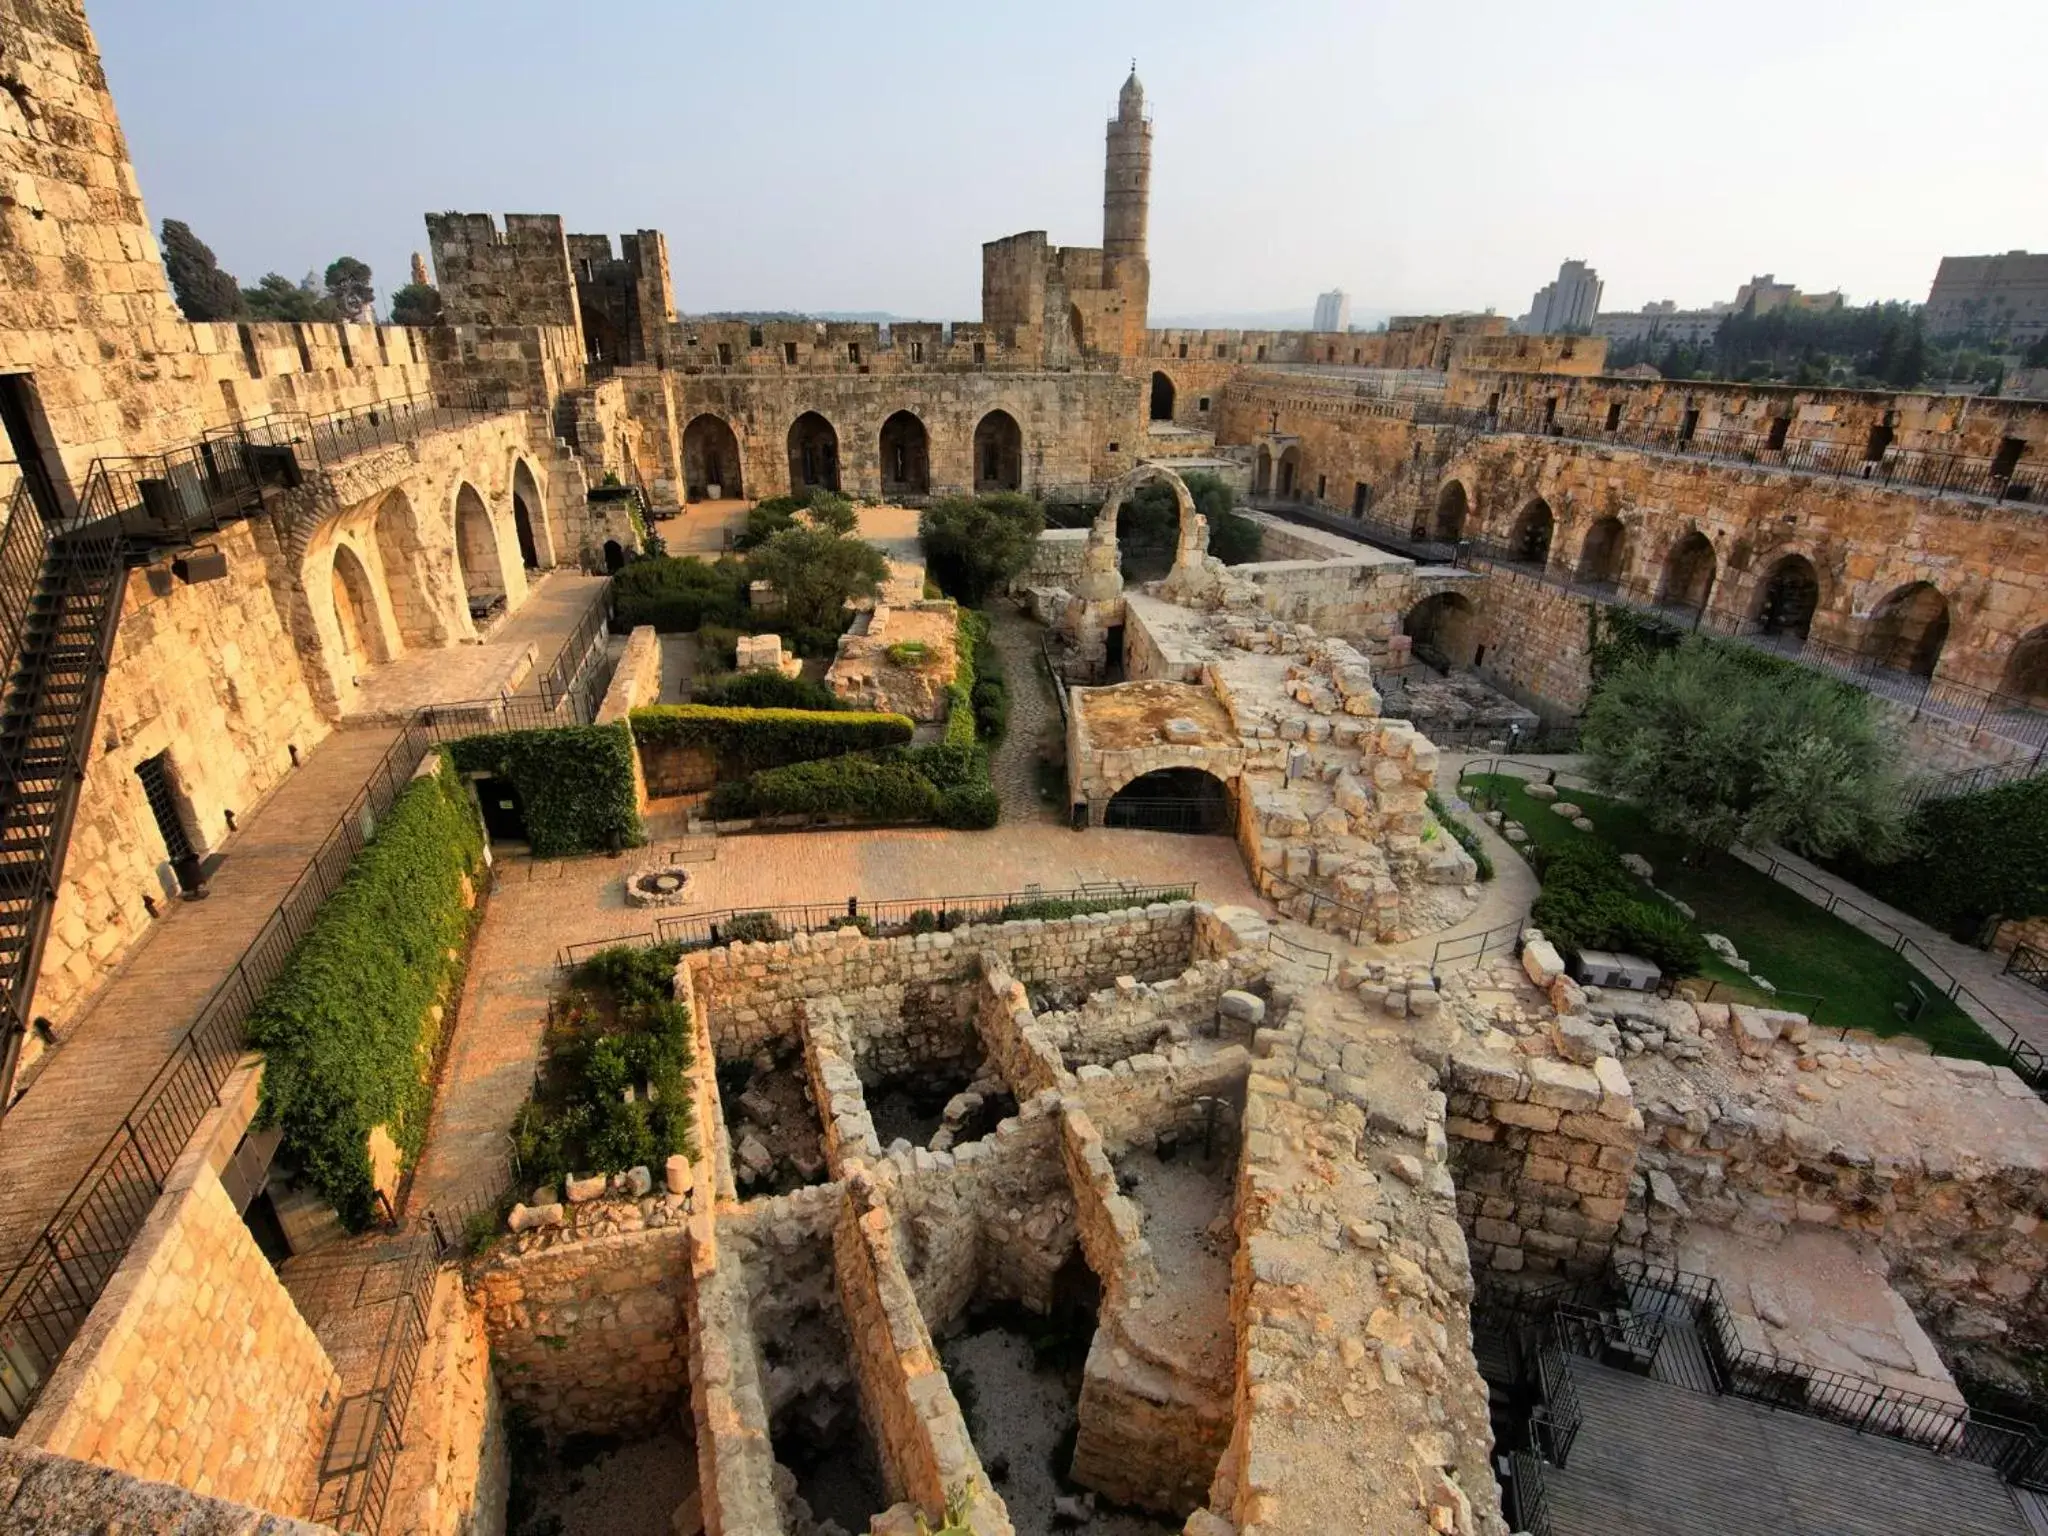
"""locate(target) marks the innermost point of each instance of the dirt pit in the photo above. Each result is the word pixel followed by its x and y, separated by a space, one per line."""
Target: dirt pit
pixel 1189 1205
pixel 940 1107
pixel 824 1443
pixel 596 1485
pixel 1017 1377
pixel 777 1145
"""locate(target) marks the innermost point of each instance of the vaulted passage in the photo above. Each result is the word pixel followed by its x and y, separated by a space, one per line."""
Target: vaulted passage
pixel 1452 508
pixel 1529 540
pixel 1908 630
pixel 1162 397
pixel 2026 674
pixel 813 454
pixel 1688 572
pixel 1445 629
pixel 906 456
pixel 711 460
pixel 400 553
pixel 355 612
pixel 1600 558
pixel 1171 800
pixel 998 453
pixel 476 551
pixel 525 502
pixel 1787 599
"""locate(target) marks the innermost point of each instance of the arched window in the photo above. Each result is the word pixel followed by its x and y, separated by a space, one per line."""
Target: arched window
pixel 999 453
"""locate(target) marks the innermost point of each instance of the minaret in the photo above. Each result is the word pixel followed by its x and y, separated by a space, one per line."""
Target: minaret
pixel 1126 193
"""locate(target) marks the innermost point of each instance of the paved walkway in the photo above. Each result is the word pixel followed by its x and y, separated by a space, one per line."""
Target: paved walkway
pixel 539 906
pixel 53 1133
pixel 1035 724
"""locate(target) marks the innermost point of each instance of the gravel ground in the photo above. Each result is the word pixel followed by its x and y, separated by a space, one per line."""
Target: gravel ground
pixel 630 1491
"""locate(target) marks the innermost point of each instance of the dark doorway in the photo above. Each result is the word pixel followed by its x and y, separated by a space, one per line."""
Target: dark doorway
pixel 19 413
pixel 1162 397
pixel 906 456
pixel 998 453
pixel 614 557
pixel 173 824
pixel 522 525
pixel 264 1226
pixel 504 815
pixel 1113 653
pixel 1171 800
pixel 813 454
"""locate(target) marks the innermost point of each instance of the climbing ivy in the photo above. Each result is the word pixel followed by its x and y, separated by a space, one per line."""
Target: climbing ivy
pixel 575 784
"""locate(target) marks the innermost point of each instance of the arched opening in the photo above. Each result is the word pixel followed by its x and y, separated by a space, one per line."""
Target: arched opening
pixel 355 612
pixel 1529 540
pixel 614 557
pixel 1688 573
pixel 813 454
pixel 1262 473
pixel 476 552
pixel 711 461
pixel 1171 800
pixel 998 453
pixel 2026 671
pixel 1162 397
pixel 1452 508
pixel 529 519
pixel 1788 598
pixel 400 552
pixel 1444 629
pixel 1600 556
pixel 906 456
pixel 1908 630
pixel 1290 474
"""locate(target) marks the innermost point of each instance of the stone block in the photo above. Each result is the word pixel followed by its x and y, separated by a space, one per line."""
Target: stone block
pixel 1541 962
pixel 1562 1086
pixel 1534 1117
pixel 1754 1034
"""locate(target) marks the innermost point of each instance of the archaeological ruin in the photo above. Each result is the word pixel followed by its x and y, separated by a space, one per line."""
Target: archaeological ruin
pixel 435 1100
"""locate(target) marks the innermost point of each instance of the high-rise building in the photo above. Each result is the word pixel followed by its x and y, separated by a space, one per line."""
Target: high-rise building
pixel 2005 297
pixel 1333 311
pixel 1569 304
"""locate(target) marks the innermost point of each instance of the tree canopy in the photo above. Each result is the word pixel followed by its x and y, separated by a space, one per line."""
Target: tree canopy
pixel 204 291
pixel 277 297
pixel 1719 747
pixel 348 287
pixel 815 572
pixel 416 304
pixel 973 545
pixel 1148 525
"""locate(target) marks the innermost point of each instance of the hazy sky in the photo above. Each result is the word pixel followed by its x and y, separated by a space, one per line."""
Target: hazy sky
pixel 838 154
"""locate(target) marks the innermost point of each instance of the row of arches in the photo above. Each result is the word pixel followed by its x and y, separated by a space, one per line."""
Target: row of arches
pixel 711 455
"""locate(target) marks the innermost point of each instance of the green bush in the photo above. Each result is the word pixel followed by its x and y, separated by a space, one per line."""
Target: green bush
pixel 858 787
pixel 1589 901
pixel 677 595
pixel 611 1093
pixel 748 740
pixel 989 691
pixel 574 782
pixel 1467 838
pixel 908 653
pixel 752 928
pixel 765 690
pixel 974 545
pixel 345 1031
pixel 950 765
pixel 768 517
pixel 970 807
pixel 1976 859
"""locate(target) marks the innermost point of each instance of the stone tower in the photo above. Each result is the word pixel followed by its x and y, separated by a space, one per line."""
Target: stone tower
pixel 1126 193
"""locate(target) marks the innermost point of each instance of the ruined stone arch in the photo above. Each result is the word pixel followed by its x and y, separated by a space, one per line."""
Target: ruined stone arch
pixel 423 619
pixel 1603 552
pixel 1534 528
pixel 711 456
pixel 1444 627
pixel 480 554
pixel 358 619
pixel 1453 511
pixel 906 452
pixel 1786 597
pixel 1161 405
pixel 998 453
pixel 2026 670
pixel 1908 629
pixel 1100 557
pixel 1690 567
pixel 531 524
pixel 813 453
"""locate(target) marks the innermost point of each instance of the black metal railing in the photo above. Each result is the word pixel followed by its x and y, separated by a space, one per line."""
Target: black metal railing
pixel 327 440
pixel 1971 781
pixel 1311 958
pixel 1469 948
pixel 581 654
pixel 1555 1422
pixel 1531 1513
pixel 23 544
pixel 1167 813
pixel 880 919
pixel 2028 964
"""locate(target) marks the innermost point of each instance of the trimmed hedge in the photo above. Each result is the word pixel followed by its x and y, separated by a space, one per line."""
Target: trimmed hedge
pixel 748 740
pixel 1589 901
pixel 345 1030
pixel 861 787
pixel 575 783
pixel 1979 858
pixel 766 690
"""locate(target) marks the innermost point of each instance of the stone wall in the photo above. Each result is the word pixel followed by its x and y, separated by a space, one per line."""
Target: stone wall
pixel 43 1493
pixel 586 1322
pixel 1056 559
pixel 194 1367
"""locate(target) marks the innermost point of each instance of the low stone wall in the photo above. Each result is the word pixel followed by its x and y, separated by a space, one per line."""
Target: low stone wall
pixel 735 1458
pixel 637 679
pixel 1010 1036
pixel 926 1455
pixel 1056 559
pixel 849 1130
pixel 1132 1016
pixel 194 1367
pixel 1147 1095
pixel 749 993
pixel 586 1321
pixel 46 1492
pixel 1112 1231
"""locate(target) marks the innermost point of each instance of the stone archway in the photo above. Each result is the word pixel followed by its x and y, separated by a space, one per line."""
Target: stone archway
pixel 711 458
pixel 1262 471
pixel 1529 538
pixel 1289 487
pixel 2026 670
pixel 998 453
pixel 523 523
pixel 479 556
pixel 1787 599
pixel 1100 557
pixel 1162 397
pixel 1445 630
pixel 906 456
pixel 813 454
pixel 422 622
pixel 1601 555
pixel 1172 800
pixel 1908 630
pixel 1689 571
pixel 1453 508
pixel 354 594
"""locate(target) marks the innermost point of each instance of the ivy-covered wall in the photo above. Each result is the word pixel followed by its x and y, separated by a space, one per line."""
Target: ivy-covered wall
pixel 689 747
pixel 575 784
pixel 348 1030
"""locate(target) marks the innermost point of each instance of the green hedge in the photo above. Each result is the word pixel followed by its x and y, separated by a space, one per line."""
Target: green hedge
pixel 575 783
pixel 1980 858
pixel 345 1031
pixel 1589 901
pixel 677 595
pixel 860 787
pixel 748 740
pixel 766 690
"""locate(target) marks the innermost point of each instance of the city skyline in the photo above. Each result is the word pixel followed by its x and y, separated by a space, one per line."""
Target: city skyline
pixel 797 178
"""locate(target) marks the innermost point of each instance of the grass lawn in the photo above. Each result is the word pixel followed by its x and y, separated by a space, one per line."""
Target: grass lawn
pixel 1784 937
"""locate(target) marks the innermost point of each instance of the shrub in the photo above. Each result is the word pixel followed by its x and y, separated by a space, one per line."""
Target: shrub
pixel 746 740
pixel 752 928
pixel 970 807
pixel 858 787
pixel 345 1029
pixel 1976 859
pixel 973 546
pixel 815 573
pixel 575 783
pixel 949 765
pixel 1589 901
pixel 765 690
pixel 908 653
pixel 679 595
pixel 768 517
pixel 1467 838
